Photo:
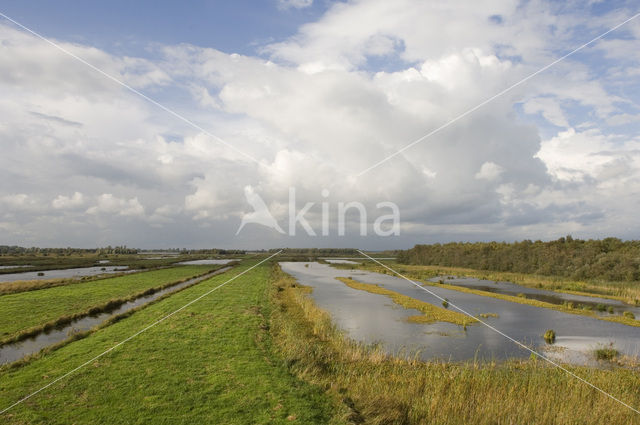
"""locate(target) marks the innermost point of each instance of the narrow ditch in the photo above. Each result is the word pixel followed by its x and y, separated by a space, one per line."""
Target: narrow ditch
pixel 15 351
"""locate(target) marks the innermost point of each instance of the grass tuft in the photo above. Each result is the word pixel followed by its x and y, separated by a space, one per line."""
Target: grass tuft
pixel 550 336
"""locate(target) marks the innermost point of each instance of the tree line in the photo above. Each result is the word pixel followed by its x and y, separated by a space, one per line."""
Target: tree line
pixel 607 259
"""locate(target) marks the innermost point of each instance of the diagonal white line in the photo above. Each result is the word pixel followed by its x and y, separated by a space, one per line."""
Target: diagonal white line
pixel 492 98
pixel 503 334
pixel 134 335
pixel 128 87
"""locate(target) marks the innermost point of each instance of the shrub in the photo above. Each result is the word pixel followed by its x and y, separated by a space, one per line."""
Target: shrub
pixel 629 314
pixel 550 336
pixel 606 353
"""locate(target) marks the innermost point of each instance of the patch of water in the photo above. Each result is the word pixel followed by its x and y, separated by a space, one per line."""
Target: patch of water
pixel 508 288
pixel 63 273
pixel 373 318
pixel 15 351
pixel 340 261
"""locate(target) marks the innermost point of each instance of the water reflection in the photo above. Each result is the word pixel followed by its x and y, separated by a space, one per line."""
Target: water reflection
pixel 12 352
pixel 374 318
pixel 597 304
pixel 63 273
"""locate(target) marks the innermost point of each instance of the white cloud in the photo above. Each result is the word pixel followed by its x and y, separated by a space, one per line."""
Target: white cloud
pixel 576 156
pixel 296 4
pixel 489 171
pixel 111 205
pixel 316 109
pixel 68 202
pixel 550 109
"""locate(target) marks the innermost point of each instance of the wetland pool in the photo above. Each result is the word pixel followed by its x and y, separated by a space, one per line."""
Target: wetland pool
pixel 375 319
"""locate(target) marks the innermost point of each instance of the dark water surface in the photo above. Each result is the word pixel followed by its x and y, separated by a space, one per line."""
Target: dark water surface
pixel 373 318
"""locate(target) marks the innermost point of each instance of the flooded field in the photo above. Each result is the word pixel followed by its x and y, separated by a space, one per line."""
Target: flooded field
pixel 603 306
pixel 340 261
pixel 63 273
pixel 373 318
pixel 15 351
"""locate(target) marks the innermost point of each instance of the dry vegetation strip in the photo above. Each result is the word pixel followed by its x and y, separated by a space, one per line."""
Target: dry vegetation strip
pixel 628 292
pixel 378 389
pixel 430 312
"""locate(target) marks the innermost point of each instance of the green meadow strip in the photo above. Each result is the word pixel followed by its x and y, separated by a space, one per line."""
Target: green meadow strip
pixel 28 313
pixel 213 362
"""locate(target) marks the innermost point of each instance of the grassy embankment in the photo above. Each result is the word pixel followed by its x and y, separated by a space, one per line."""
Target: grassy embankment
pixel 382 390
pixel 27 313
pixel 430 312
pixel 422 273
pixel 213 362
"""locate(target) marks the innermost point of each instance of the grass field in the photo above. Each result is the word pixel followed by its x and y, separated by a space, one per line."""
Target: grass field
pixel 258 350
pixel 210 363
pixel 27 312
pixel 384 390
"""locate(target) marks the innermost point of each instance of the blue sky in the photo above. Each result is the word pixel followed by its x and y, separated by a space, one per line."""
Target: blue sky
pixel 128 27
pixel 317 91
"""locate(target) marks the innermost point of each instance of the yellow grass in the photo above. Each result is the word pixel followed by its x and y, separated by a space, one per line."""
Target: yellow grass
pixel 375 388
pixel 430 312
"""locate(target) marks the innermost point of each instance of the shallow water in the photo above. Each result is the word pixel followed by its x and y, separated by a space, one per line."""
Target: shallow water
pixel 63 273
pixel 340 261
pixel 508 288
pixel 15 351
pixel 373 318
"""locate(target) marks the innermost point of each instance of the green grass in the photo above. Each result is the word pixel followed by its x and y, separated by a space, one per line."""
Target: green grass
pixel 213 363
pixel 430 312
pixel 379 389
pixel 607 353
pixel 28 312
pixel 550 336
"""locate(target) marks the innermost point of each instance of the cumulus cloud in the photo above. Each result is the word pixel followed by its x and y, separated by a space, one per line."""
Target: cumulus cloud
pixel 489 171
pixel 296 4
pixel 316 109
pixel 109 204
pixel 67 202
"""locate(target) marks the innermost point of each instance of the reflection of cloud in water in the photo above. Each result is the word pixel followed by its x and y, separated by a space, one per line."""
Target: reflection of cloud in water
pixel 370 317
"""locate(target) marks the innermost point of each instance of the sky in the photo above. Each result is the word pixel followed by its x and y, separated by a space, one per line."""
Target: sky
pixel 211 110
